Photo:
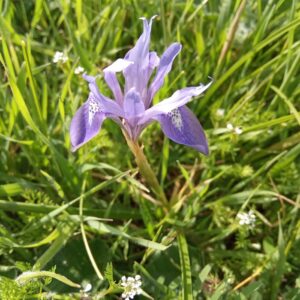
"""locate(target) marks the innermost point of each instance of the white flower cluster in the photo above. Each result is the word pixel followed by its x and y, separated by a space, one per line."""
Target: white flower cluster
pixel 132 286
pixel 236 130
pixel 248 219
pixel 60 57
pixel 78 70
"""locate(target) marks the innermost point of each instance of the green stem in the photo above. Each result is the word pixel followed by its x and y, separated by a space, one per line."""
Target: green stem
pixel 147 172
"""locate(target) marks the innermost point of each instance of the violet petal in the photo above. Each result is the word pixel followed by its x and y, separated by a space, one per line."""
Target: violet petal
pixel 164 68
pixel 182 127
pixel 112 80
pixel 108 106
pixel 86 123
pixel 136 74
pixel 178 99
pixel 133 104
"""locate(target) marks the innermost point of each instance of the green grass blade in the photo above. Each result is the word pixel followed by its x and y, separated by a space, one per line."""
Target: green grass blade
pixel 30 275
pixel 186 275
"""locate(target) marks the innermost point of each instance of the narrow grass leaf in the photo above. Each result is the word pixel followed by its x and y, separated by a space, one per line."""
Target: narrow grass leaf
pixel 186 275
pixel 104 228
pixel 29 275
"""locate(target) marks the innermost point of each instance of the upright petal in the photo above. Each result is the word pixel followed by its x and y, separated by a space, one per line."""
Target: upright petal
pixel 181 126
pixel 164 68
pixel 136 74
pixel 112 80
pixel 86 123
pixel 178 99
pixel 153 62
pixel 133 105
pixel 108 106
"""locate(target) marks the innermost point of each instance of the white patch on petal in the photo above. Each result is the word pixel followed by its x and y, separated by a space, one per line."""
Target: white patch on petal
pixel 176 118
pixel 94 107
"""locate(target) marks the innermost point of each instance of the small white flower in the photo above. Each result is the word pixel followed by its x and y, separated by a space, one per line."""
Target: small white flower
pixel 238 130
pixel 60 57
pixel 132 286
pixel 87 288
pixel 229 126
pixel 243 31
pixel 78 70
pixel 220 112
pixel 248 219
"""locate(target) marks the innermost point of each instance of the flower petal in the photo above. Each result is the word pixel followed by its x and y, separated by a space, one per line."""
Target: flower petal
pixel 112 80
pixel 181 126
pixel 86 123
pixel 153 63
pixel 108 106
pixel 164 68
pixel 178 99
pixel 153 60
pixel 118 65
pixel 136 74
pixel 133 104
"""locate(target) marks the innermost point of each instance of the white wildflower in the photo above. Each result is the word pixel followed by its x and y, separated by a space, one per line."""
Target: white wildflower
pixel 248 219
pixel 87 288
pixel 220 112
pixel 238 130
pixel 78 70
pixel 243 31
pixel 229 126
pixel 60 57
pixel 132 286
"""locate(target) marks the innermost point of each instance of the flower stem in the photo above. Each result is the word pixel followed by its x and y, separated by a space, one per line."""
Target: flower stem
pixel 147 172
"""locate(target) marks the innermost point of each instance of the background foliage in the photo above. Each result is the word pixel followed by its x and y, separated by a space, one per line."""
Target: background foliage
pixel 54 203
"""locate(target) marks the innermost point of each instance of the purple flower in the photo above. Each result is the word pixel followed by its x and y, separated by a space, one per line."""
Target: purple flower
pixel 132 108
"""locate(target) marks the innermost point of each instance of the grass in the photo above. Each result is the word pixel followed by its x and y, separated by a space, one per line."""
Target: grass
pixel 88 217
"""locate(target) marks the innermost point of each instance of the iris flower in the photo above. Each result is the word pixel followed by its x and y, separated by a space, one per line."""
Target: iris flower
pixel 132 107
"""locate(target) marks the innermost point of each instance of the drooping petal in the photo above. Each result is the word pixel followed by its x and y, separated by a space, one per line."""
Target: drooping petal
pixel 164 68
pixel 181 126
pixel 112 80
pixel 108 106
pixel 86 123
pixel 133 104
pixel 178 99
pixel 136 74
